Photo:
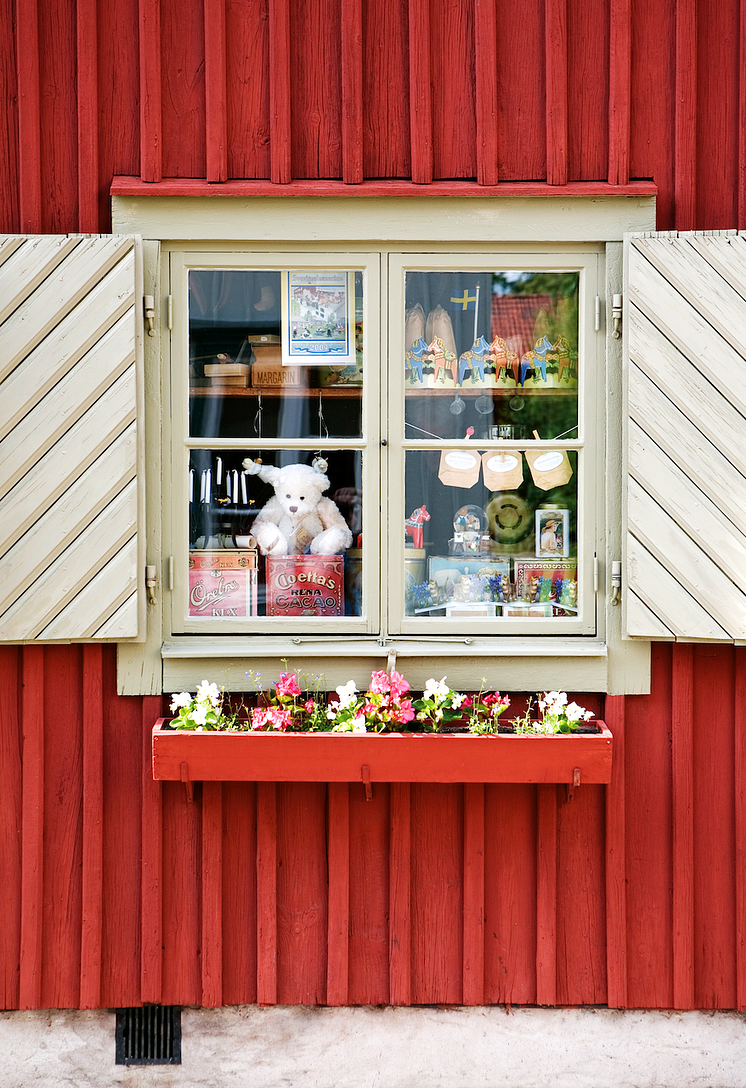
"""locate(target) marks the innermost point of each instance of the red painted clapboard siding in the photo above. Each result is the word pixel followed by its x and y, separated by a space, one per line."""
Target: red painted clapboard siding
pixel 474 89
pixel 427 894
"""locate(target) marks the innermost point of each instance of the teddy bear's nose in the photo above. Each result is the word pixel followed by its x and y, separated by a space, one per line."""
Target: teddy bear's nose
pixel 293 509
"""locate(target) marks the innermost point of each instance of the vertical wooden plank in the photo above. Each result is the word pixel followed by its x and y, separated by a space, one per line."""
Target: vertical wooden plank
pixel 212 894
pixel 151 879
pixel 741 224
pixel 215 91
pixel 352 91
pixel 400 912
pixel 32 833
pixel 740 805
pixel 338 835
pixel 183 113
pixel 685 123
pixel 616 882
pixel 11 807
pixel 151 136
pixel 29 115
pixel 420 92
pixel 620 72
pixel 453 94
pixel 682 737
pixel 521 39
pixel 87 103
pixel 714 907
pixel 546 895
pixel 182 978
pixel 386 143
pixel 302 893
pixel 485 38
pixel 555 28
pixel 279 91
pixel 266 893
pixel 93 819
pixel 368 965
pixel 473 967
pixel 437 893
pixel 239 893
pixel 510 894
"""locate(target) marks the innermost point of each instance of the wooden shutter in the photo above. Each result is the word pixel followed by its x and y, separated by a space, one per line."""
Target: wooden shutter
pixel 685 299
pixel 70 387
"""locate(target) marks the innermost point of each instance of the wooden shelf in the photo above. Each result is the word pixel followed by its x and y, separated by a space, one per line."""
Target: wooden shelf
pixel 477 391
pixel 387 757
pixel 344 392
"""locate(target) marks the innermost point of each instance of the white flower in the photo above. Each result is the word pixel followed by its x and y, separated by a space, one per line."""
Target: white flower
pixel 358 725
pixel 573 712
pixel 209 693
pixel 183 698
pixel 457 699
pixel 346 693
pixel 436 689
pixel 199 715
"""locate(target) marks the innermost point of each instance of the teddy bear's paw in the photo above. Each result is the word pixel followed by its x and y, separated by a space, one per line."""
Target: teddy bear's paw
pixel 252 467
pixel 330 542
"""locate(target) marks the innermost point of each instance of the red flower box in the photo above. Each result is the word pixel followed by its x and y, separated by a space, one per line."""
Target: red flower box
pixel 388 757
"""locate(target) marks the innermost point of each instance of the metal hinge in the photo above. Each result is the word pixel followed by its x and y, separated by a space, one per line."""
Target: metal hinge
pixel 149 307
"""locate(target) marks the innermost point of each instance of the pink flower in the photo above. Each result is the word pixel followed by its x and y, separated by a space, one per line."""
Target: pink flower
pixel 279 717
pixel 406 712
pixel 287 685
pixel 398 684
pixel 380 683
pixel 308 706
pixel 259 717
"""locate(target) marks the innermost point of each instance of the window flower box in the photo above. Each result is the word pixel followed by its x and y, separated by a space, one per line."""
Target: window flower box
pixel 380 757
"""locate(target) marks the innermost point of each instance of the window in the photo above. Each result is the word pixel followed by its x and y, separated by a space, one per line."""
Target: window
pixel 455 394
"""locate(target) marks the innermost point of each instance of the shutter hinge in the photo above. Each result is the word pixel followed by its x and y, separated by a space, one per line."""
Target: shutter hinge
pixel 597 314
pixel 616 316
pixel 595 574
pixel 170 311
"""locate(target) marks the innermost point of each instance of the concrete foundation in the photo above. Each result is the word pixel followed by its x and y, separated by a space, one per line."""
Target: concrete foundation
pixel 250 1047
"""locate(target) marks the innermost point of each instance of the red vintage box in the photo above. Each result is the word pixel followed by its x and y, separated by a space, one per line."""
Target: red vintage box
pixel 305 585
pixel 222 583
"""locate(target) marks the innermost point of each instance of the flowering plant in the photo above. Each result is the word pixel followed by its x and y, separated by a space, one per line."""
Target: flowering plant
pixel 286 708
pixel 382 707
pixel 487 707
pixel 203 711
pixel 440 704
pixel 557 715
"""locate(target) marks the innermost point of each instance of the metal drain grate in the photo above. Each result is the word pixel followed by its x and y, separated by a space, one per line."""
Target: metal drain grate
pixel 150 1035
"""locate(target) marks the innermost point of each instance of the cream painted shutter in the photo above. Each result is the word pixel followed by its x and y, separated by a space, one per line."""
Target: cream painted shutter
pixel 685 564
pixel 70 389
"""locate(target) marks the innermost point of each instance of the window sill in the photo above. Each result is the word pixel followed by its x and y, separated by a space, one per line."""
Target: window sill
pixel 387 757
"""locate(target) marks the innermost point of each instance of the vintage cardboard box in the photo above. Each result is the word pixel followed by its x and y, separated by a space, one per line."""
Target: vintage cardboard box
pixel 223 583
pixel 305 585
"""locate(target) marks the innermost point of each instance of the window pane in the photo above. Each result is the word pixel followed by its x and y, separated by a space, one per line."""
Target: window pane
pixel 234 573
pixel 275 354
pixel 491 533
pixel 489 350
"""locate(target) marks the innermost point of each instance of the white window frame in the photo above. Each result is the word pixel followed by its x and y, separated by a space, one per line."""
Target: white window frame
pixel 600 662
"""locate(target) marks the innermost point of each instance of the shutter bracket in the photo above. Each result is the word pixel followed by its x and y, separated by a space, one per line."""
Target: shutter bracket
pixel 616 581
pixel 616 316
pixel 151 580
pixel 149 305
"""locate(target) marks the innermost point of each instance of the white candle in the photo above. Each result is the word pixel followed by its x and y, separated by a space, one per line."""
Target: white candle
pixel 191 485
pixel 208 486
pixel 244 492
pixel 219 472
pixel 235 486
pixel 202 486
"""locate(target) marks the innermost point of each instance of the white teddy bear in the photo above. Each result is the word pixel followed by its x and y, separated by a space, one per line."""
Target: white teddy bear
pixel 298 518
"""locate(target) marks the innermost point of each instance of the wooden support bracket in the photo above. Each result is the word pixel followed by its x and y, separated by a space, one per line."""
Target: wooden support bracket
pixel 365 776
pixel 187 782
pixel 575 783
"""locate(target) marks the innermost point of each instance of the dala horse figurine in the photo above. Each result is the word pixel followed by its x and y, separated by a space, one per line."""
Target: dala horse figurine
pixel 413 525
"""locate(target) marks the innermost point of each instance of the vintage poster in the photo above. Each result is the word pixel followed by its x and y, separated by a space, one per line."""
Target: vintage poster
pixel 318 318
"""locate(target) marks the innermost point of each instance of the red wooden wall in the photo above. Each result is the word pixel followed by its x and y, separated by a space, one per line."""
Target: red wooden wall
pixel 117 890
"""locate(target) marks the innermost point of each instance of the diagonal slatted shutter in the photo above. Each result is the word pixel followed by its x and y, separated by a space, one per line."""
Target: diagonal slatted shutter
pixel 685 356
pixel 70 391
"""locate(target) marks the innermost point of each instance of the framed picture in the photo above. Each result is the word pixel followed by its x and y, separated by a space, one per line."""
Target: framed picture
pixel 318 318
pixel 552 536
